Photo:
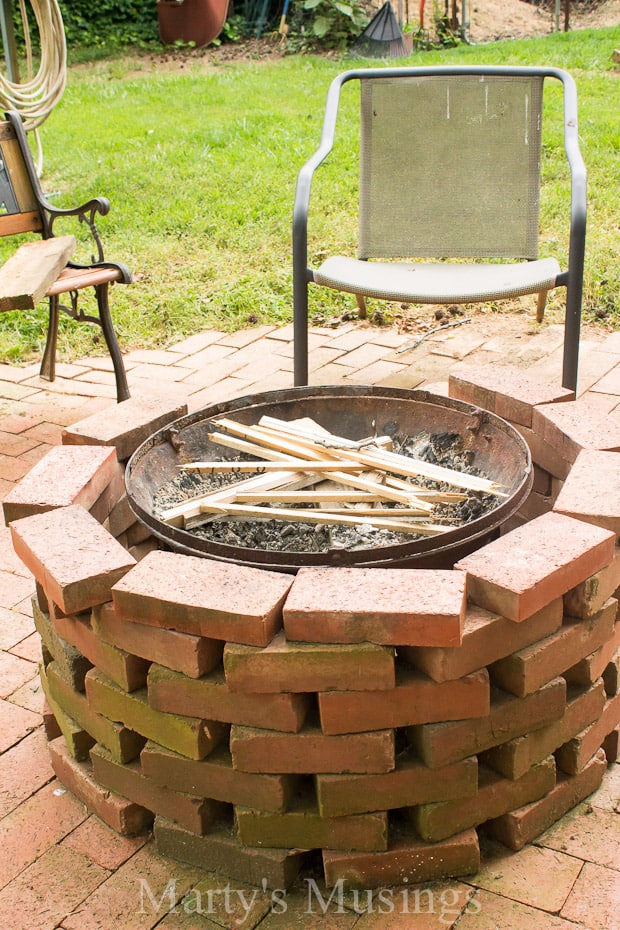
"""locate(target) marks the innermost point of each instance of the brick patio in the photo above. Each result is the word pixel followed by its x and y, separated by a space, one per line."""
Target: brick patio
pixel 64 868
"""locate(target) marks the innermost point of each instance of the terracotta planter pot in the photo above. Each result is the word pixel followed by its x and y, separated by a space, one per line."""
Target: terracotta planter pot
pixel 197 21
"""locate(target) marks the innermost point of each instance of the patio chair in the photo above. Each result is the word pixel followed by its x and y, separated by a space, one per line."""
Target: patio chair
pixel 450 170
pixel 25 209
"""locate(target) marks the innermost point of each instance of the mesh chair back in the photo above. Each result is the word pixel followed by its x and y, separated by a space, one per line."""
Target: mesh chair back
pixel 450 166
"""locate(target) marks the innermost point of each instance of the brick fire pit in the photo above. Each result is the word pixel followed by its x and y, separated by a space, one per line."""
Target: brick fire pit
pixel 380 716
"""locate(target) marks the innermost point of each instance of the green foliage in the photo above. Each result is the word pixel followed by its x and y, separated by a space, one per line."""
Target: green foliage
pixel 116 22
pixel 199 160
pixel 334 22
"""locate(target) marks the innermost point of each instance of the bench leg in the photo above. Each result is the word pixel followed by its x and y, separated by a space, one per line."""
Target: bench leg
pixel 122 388
pixel 48 362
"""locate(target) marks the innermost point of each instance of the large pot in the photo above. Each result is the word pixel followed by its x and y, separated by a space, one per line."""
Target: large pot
pixel 191 21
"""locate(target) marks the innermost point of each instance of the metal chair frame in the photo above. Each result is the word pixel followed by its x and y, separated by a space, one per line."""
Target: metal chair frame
pixel 39 215
pixel 572 278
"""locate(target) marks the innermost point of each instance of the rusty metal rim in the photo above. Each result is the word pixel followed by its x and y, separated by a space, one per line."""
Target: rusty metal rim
pixel 475 533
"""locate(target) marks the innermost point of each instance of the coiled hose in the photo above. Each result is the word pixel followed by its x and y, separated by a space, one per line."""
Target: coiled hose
pixel 38 95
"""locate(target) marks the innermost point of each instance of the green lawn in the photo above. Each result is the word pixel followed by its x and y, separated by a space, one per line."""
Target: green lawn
pixel 200 166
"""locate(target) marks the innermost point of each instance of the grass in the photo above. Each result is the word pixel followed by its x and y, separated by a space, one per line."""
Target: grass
pixel 200 165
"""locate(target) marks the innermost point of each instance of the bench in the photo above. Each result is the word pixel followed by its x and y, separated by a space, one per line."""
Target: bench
pixel 44 268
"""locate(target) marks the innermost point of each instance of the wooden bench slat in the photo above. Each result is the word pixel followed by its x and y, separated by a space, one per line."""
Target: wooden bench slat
pixel 73 279
pixel 27 275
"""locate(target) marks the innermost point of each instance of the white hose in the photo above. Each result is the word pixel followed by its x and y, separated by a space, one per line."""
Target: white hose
pixel 38 95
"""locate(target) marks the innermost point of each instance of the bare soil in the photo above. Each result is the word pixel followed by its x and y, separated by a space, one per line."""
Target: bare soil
pixel 492 20
pixel 488 21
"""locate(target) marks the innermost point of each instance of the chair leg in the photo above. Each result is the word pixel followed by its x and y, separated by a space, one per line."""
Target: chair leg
pixel 361 306
pixel 300 332
pixel 122 388
pixel 541 303
pixel 572 326
pixel 48 362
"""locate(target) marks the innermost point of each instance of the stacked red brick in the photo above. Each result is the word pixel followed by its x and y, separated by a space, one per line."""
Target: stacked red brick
pixel 380 715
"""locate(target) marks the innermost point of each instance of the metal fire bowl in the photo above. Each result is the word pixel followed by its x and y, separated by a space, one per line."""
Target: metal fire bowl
pixel 354 411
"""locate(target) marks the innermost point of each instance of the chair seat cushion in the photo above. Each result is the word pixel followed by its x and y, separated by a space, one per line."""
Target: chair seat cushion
pixel 437 283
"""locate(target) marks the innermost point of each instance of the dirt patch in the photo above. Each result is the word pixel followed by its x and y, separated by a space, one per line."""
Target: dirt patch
pixel 488 21
pixel 492 20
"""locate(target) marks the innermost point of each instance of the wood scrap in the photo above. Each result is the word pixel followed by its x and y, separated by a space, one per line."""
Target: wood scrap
pixel 350 480
pixel 305 465
pixel 387 460
pixel 321 516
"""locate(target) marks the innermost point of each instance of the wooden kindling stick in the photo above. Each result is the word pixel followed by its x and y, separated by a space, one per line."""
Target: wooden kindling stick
pixel 372 458
pixel 339 496
pixel 321 516
pixel 305 465
pixel 286 448
pixel 180 514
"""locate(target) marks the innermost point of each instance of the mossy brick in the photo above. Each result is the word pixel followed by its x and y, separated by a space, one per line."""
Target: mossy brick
pixel 387 606
pixel 582 424
pixel 411 782
pixel 415 699
pixel 518 827
pixel 521 572
pixel 508 392
pixel 210 697
pixel 77 740
pixel 221 851
pixel 487 637
pixel 311 752
pixel 592 490
pixel 308 667
pixel 69 660
pixel 71 555
pixel 527 670
pixel 193 736
pixel 191 655
pixel 588 669
pixel 304 828
pixel 574 755
pixel 588 597
pixel 120 813
pixel 134 421
pixel 495 796
pixel 408 860
pixel 516 756
pixel 203 597
pixel 127 671
pixel 194 813
pixel 124 744
pixel 442 743
pixel 62 477
pixel 215 777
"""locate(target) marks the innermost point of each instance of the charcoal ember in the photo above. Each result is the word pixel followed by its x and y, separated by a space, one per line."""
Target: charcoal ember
pixel 270 535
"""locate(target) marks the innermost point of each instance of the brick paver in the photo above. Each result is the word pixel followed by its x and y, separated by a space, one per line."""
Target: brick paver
pixel 65 869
